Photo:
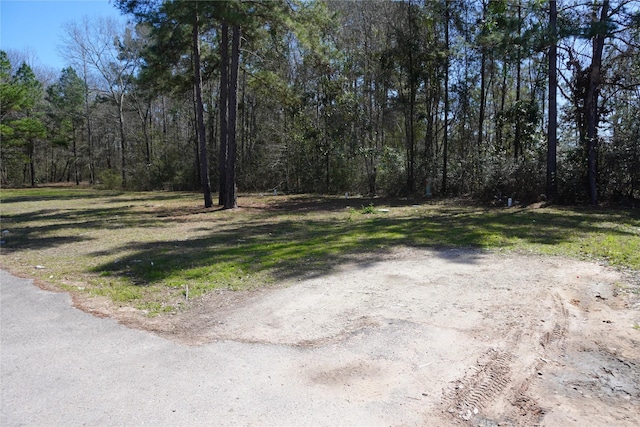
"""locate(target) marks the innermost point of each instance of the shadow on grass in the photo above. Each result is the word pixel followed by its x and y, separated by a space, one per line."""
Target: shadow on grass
pixel 304 203
pixel 53 227
pixel 50 227
pixel 47 194
pixel 293 248
pixel 286 237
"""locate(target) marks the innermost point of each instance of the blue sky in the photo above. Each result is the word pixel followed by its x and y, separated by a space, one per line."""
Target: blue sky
pixel 36 25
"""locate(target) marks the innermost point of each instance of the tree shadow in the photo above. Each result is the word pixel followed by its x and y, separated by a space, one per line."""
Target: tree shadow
pixel 34 229
pixel 293 237
pixel 322 203
pixel 308 247
pixel 48 194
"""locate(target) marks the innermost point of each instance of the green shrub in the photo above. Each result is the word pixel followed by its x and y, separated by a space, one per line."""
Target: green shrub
pixel 109 179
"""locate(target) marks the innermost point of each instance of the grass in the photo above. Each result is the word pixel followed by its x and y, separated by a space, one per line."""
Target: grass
pixel 145 249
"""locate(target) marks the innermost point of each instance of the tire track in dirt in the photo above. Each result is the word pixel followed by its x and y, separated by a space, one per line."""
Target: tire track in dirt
pixel 554 340
pixel 523 408
pixel 493 374
pixel 590 375
pixel 496 389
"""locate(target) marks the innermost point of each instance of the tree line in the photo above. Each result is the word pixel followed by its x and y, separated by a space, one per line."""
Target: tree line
pixel 490 98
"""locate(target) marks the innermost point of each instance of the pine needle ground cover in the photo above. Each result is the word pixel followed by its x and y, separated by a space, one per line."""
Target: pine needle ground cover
pixel 153 251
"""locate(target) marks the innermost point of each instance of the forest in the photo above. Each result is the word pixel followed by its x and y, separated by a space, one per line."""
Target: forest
pixel 493 99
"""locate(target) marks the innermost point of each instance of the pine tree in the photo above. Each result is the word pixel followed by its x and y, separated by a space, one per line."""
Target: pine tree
pixel 66 98
pixel 22 126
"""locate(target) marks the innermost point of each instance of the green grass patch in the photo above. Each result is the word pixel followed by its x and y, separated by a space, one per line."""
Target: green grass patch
pixel 146 249
pixel 368 210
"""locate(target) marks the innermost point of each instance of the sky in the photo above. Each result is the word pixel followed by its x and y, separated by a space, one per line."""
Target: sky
pixel 37 25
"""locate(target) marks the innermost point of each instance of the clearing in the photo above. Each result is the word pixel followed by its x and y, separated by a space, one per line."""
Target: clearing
pixel 419 313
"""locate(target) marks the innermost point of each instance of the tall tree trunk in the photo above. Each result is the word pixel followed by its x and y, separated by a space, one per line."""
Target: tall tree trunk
pixel 123 142
pixel 224 94
pixel 244 120
pixel 75 155
pixel 445 136
pixel 411 143
pixel 197 166
pixel 32 167
pixel 145 119
pixel 591 106
pixel 502 140
pixel 52 165
pixel 482 111
pixel 92 167
pixel 231 199
pixel 552 140
pixel 368 93
pixel 481 118
pixel 429 137
pixel 410 120
pixel 202 136
pixel 517 144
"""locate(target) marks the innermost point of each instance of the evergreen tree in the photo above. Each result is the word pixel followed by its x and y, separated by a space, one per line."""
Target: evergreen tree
pixel 21 127
pixel 67 97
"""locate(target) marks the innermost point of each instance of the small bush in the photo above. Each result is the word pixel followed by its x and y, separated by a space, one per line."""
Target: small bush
pixel 109 179
pixel 368 210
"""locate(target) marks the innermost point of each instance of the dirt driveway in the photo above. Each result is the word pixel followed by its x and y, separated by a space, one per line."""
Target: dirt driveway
pixel 450 337
pixel 418 338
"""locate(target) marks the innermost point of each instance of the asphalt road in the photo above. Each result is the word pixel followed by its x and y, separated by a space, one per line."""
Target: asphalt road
pixel 63 367
pixel 411 341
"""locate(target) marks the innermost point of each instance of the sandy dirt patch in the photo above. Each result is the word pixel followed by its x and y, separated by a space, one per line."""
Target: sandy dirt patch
pixel 451 337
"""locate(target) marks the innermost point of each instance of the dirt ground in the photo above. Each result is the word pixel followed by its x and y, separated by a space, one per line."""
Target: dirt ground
pixel 451 337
